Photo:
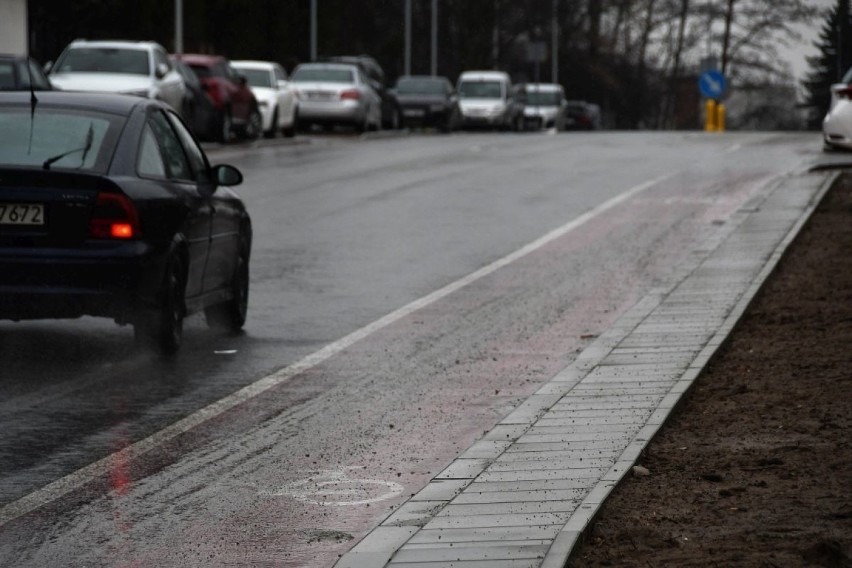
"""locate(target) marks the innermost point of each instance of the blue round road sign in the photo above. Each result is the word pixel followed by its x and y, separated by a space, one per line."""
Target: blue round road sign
pixel 712 84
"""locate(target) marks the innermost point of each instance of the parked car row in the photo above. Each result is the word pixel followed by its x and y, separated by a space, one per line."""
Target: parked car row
pixel 488 99
pixel 216 97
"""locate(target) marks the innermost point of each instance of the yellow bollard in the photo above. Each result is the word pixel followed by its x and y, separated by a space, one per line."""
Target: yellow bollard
pixel 720 117
pixel 710 116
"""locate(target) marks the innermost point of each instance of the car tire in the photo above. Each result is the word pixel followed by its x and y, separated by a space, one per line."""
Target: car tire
pixel 230 316
pixel 225 127
pixel 394 120
pixel 163 329
pixel 273 127
pixel 253 126
pixel 290 131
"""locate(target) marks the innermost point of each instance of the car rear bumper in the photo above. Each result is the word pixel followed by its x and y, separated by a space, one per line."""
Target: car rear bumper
pixel 343 111
pixel 837 125
pixel 39 285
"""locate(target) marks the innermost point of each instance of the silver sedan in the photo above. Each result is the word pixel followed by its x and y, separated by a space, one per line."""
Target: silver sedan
pixel 333 94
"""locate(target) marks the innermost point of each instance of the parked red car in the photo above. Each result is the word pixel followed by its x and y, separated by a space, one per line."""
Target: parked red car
pixel 237 109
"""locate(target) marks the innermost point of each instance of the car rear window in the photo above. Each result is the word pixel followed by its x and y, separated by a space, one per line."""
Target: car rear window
pixel 544 98
pixel 421 87
pixel 7 76
pixel 323 75
pixel 43 138
pixel 480 90
pixel 104 60
pixel 257 77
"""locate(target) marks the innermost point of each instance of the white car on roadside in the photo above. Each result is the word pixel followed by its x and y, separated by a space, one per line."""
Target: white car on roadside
pixel 274 93
pixel 140 68
pixel 837 124
pixel 544 106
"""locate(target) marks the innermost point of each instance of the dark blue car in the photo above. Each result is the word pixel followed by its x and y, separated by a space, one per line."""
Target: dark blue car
pixel 109 207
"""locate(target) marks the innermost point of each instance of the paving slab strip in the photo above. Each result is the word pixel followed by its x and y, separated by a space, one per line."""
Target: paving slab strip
pixel 525 493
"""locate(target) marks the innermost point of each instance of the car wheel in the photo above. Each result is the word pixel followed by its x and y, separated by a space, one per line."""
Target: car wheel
pixel 225 125
pixel 164 328
pixel 394 120
pixel 230 316
pixel 273 127
pixel 253 127
pixel 290 131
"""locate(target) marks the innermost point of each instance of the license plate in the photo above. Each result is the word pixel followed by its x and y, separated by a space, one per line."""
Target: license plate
pixel 413 112
pixel 21 214
pixel 320 96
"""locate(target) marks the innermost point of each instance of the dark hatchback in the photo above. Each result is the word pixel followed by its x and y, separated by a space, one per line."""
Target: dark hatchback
pixel 22 73
pixel 428 101
pixel 110 208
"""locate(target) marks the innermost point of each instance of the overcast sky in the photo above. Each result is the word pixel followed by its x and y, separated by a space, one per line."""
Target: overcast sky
pixel 810 33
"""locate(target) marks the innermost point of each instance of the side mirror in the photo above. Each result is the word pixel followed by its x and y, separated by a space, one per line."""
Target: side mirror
pixel 48 66
pixel 227 175
pixel 161 70
pixel 283 85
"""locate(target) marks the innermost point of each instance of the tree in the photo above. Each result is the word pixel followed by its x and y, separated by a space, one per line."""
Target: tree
pixel 835 57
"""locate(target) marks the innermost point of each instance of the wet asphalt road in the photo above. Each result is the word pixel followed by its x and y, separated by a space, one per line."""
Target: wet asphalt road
pixel 346 232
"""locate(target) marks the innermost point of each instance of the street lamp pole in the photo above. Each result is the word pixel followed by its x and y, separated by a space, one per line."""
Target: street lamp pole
pixel 408 37
pixel 178 26
pixel 434 37
pixel 313 30
pixel 554 44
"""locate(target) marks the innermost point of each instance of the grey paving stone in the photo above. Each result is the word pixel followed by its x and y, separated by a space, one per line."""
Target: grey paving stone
pixel 465 553
pixel 477 497
pixel 534 446
pixel 489 534
pixel 490 476
pixel 483 486
pixel 510 508
pixel 520 563
pixel 464 469
pixel 495 521
pixel 441 490
pixel 503 432
pixel 557 455
pixel 486 449
pixel 593 437
pixel 560 420
pixel 414 513
pixel 548 464
pixel 571 427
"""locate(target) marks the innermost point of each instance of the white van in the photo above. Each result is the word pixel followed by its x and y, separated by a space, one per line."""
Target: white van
pixel 487 99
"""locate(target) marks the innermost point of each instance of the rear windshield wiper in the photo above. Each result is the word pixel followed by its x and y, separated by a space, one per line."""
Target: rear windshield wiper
pixel 90 136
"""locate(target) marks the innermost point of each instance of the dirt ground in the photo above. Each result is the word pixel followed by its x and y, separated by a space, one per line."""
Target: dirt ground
pixel 755 469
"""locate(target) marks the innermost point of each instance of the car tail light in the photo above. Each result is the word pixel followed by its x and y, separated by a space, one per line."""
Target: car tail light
pixel 350 94
pixel 114 217
pixel 844 93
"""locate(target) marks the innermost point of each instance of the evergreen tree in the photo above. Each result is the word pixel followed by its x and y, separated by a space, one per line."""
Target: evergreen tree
pixel 834 59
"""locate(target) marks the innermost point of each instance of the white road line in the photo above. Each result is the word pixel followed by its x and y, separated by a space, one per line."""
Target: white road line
pixel 98 469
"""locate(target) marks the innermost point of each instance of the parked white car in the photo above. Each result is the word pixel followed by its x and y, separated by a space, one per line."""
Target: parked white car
pixel 487 99
pixel 139 68
pixel 544 106
pixel 274 93
pixel 837 124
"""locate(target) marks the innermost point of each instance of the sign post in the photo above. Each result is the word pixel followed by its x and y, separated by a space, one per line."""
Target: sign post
pixel 713 85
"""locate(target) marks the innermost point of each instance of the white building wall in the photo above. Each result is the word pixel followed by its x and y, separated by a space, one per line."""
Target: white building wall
pixel 13 26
